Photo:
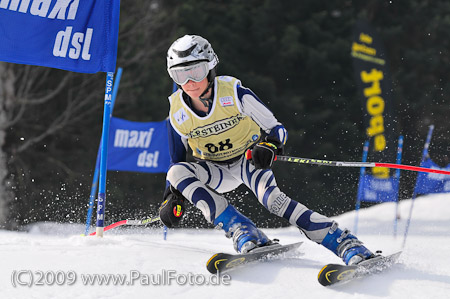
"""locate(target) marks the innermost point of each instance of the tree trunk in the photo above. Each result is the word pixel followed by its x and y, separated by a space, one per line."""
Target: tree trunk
pixel 6 102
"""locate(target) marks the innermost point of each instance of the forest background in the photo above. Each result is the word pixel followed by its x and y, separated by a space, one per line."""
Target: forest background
pixel 295 55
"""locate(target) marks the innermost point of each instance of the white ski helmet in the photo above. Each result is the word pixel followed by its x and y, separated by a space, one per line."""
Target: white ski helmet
pixel 189 49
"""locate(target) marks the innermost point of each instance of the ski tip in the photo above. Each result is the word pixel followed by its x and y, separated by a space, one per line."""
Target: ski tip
pixel 333 273
pixel 319 277
pixel 210 265
pixel 221 262
pixel 214 263
pixel 207 263
pixel 323 278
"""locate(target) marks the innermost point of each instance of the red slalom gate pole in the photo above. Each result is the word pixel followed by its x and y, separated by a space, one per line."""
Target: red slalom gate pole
pixel 129 222
pixel 320 162
pixel 359 164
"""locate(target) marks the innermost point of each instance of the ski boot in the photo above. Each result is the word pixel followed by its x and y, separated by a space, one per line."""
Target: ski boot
pixel 346 246
pixel 246 236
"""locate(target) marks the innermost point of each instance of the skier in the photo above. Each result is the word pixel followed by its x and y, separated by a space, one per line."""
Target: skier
pixel 220 120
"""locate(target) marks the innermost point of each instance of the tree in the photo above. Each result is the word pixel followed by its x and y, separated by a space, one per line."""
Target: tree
pixel 294 55
pixel 50 121
pixel 6 91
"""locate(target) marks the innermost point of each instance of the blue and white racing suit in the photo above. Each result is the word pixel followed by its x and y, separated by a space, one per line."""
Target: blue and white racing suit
pixel 202 182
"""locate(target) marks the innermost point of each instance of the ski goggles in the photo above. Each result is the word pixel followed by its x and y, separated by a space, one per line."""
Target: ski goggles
pixel 196 72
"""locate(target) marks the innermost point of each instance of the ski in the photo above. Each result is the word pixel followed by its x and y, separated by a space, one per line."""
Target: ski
pixel 221 262
pixel 335 273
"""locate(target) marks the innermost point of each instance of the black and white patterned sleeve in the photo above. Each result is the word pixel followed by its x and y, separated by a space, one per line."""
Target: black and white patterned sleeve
pixel 252 106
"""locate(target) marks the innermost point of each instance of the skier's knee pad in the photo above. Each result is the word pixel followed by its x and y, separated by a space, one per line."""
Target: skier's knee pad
pixel 274 200
pixel 179 172
pixel 183 177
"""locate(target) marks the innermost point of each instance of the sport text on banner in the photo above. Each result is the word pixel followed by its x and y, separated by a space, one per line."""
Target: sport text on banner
pixel 374 88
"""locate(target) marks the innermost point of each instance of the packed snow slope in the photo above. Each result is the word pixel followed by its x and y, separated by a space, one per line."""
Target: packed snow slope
pixel 60 260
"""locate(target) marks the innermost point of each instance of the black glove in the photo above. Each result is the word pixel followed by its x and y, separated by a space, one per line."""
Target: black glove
pixel 264 153
pixel 172 209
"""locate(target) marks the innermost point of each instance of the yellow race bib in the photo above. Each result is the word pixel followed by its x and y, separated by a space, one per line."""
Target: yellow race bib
pixel 225 133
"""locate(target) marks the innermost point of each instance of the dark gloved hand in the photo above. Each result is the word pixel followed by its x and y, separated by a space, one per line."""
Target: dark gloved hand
pixel 172 209
pixel 264 153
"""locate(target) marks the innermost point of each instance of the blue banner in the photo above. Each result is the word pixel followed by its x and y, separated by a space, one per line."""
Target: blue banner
pixel 372 189
pixel 64 34
pixel 372 74
pixel 432 182
pixel 138 146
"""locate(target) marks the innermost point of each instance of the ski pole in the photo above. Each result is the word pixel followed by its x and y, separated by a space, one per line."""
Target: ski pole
pixel 352 164
pixel 130 222
pixel 425 155
pixel 359 196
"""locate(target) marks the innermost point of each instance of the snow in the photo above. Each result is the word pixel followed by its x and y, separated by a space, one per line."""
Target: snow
pixel 423 271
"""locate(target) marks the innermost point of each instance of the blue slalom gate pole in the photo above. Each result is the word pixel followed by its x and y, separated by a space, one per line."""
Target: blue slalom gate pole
pixel 97 162
pixel 101 201
pixel 397 177
pixel 424 156
pixel 360 185
pixel 93 192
